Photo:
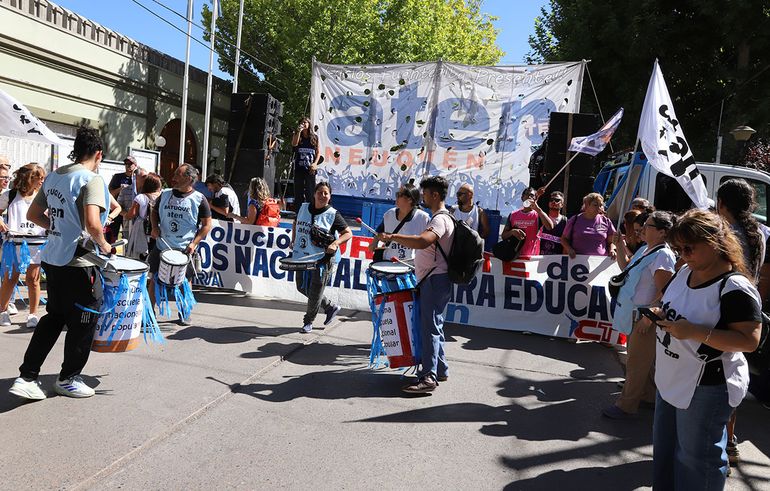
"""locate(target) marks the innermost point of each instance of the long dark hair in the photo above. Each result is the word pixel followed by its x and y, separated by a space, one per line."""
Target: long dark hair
pixel 737 196
pixel 313 136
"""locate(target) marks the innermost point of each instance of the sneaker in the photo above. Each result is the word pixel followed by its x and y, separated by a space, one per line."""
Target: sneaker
pixel 733 455
pixel 12 308
pixel 27 389
pixel 5 318
pixel 422 386
pixel 32 321
pixel 182 321
pixel 614 412
pixel 307 328
pixel 73 387
pixel 442 378
pixel 331 314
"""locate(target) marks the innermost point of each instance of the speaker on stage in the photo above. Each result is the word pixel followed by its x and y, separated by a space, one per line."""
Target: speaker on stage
pixel 562 128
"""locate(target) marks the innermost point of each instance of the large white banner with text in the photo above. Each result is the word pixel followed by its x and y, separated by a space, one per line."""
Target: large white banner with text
pixel 551 295
pixel 381 125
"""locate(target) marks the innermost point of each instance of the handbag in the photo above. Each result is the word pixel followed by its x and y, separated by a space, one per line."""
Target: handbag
pixel 508 249
pixel 617 281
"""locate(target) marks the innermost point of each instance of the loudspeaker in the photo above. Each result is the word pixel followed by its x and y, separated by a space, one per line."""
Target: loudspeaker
pixel 579 186
pixel 251 163
pixel 562 128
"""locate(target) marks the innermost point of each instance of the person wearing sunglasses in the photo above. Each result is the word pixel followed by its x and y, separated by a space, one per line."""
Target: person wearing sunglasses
pixel 523 223
pixel 469 212
pixel 710 315
pixel 648 271
pixel 550 241
pixel 406 218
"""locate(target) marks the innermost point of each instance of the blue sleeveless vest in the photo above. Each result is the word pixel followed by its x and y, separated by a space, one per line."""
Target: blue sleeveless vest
pixel 178 219
pixel 302 245
pixel 61 192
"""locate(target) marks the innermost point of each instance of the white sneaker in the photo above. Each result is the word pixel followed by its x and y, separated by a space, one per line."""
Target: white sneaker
pixel 5 318
pixel 12 308
pixel 73 387
pixel 32 321
pixel 28 389
pixel 307 328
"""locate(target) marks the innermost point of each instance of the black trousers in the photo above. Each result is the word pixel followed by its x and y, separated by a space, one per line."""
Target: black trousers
pixel 66 287
pixel 304 186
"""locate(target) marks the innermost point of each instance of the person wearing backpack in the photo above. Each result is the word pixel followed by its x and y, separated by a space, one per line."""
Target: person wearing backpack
pixel 262 208
pixel 432 271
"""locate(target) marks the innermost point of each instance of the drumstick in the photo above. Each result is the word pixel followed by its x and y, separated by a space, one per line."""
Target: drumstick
pixel 397 260
pixel 367 227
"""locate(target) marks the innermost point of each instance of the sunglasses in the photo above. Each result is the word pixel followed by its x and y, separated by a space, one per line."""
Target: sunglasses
pixel 555 200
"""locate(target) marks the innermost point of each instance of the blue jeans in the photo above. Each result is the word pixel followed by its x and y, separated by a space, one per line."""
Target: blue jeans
pixel 434 296
pixel 689 444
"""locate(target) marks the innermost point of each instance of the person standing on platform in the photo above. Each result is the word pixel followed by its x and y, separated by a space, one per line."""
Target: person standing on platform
pixel 318 219
pixel 469 212
pixel 72 202
pixel 406 217
pixel 304 143
pixel 550 242
pixel 180 220
pixel 432 274
pixel 523 224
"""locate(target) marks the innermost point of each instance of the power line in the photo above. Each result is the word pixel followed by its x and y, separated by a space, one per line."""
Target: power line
pixel 284 90
pixel 203 28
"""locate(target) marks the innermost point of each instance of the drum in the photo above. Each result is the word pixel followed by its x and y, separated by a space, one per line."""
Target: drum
pixel 126 307
pixel 388 276
pixel 19 251
pixel 396 322
pixel 173 267
pixel 306 263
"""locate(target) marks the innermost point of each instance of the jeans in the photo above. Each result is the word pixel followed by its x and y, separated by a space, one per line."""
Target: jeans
pixel 66 286
pixel 304 186
pixel 312 284
pixel 434 296
pixel 689 444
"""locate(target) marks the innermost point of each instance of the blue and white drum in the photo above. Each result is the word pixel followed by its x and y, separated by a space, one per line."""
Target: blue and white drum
pixel 19 251
pixel 172 267
pixel 388 276
pixel 126 310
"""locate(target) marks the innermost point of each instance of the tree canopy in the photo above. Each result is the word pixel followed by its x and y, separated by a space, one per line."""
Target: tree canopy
pixel 286 34
pixel 709 51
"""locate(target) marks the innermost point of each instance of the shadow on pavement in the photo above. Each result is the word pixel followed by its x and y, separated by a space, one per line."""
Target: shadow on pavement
pixel 229 335
pixel 230 297
pixel 631 475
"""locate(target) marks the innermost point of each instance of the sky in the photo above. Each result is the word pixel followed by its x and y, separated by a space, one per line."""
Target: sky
pixel 515 23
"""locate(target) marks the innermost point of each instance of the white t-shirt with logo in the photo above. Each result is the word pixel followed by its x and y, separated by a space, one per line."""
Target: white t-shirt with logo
pixel 415 226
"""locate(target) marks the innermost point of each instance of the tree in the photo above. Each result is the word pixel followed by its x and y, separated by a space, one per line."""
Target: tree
pixel 286 34
pixel 709 50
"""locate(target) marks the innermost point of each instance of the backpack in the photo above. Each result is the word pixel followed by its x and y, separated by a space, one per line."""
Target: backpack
pixel 270 214
pixel 466 254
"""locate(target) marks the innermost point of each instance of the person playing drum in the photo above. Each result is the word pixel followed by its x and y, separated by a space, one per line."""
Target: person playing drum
pixel 318 228
pixel 26 184
pixel 180 220
pixel 407 218
pixel 73 200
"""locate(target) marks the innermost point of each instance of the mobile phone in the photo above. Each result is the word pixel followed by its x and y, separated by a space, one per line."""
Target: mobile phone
pixel 649 314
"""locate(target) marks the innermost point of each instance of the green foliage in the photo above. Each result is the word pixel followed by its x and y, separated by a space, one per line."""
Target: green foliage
pixel 709 51
pixel 287 34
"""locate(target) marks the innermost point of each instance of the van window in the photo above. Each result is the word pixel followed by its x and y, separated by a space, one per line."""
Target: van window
pixel 670 196
pixel 760 193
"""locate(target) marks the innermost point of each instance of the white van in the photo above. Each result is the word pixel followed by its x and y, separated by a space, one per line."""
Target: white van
pixel 664 192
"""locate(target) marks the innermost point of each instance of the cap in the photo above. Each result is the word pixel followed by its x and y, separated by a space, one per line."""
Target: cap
pixel 130 159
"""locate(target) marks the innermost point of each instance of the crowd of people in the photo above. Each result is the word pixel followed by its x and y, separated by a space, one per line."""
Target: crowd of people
pixel 689 299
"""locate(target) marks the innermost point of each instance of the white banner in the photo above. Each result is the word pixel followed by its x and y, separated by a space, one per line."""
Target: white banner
pixel 381 125
pixel 551 295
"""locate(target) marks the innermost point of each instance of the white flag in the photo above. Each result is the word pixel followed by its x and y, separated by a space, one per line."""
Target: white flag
pixel 664 143
pixel 17 122
pixel 595 143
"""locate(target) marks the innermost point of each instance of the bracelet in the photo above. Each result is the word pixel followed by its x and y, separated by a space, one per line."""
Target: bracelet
pixel 706 339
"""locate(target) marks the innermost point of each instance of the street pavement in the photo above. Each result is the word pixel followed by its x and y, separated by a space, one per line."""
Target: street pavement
pixel 242 400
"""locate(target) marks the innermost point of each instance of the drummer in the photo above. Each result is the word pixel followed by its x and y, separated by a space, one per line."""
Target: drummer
pixel 76 199
pixel 313 283
pixel 180 220
pixel 26 184
pixel 407 218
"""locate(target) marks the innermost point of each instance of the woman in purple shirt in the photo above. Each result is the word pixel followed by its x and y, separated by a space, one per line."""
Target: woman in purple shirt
pixel 590 232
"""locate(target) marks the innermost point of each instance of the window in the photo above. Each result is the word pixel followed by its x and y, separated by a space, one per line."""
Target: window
pixel 760 194
pixel 670 196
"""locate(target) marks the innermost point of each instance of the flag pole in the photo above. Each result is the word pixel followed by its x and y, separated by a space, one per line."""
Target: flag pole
pixel 207 117
pixel 561 170
pixel 622 191
pixel 185 84
pixel 238 48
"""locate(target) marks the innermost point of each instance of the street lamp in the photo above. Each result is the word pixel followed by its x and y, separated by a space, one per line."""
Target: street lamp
pixel 742 133
pixel 160 142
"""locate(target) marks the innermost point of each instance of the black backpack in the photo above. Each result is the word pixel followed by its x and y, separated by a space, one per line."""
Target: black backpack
pixel 466 255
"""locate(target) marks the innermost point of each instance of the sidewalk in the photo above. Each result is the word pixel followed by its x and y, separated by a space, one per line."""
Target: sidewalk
pixel 242 400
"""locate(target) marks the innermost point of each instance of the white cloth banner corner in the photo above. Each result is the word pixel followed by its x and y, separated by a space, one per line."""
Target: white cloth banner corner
pixel 381 125
pixel 664 143
pixel 16 121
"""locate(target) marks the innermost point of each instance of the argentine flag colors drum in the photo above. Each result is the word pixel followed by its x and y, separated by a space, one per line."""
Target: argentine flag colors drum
pixel 126 312
pixel 171 275
pixel 392 290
